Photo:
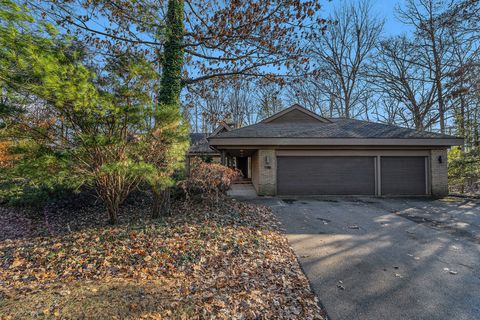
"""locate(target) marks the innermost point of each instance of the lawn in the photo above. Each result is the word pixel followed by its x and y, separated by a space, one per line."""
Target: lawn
pixel 223 261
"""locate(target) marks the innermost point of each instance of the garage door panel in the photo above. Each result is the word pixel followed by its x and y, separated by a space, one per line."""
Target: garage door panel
pixel 403 176
pixel 326 175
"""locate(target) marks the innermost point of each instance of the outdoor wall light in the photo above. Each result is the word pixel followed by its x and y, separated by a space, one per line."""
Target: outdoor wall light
pixel 267 159
pixel 440 159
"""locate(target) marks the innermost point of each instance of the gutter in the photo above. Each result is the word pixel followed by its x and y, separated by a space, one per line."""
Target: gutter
pixel 427 142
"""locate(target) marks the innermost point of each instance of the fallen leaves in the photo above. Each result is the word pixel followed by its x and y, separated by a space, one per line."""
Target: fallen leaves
pixel 225 262
pixel 17 263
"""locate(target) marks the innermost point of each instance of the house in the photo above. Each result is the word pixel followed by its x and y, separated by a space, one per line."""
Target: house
pixel 298 152
pixel 199 147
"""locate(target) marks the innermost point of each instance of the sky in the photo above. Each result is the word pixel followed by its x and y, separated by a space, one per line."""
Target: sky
pixel 384 9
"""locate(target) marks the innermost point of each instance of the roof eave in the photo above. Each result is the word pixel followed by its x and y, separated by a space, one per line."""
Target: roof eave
pixel 427 142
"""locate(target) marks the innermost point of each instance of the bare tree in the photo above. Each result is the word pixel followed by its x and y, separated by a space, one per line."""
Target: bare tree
pixel 239 101
pixel 398 77
pixel 232 101
pixel 213 109
pixel 388 110
pixel 342 54
pixel 434 41
pixel 269 99
pixel 312 95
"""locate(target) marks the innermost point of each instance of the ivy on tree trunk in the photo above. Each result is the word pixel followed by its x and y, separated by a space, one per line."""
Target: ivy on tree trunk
pixel 171 82
pixel 170 88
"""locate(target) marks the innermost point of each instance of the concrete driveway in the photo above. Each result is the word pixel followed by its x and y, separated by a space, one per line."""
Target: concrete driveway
pixel 372 258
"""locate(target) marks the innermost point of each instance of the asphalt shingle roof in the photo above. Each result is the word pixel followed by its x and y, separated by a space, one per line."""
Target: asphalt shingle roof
pixel 199 144
pixel 337 128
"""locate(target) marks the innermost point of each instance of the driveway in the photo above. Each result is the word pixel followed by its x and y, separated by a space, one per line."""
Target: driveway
pixel 373 258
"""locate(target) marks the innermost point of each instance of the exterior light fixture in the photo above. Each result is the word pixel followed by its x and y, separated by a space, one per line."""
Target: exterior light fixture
pixel 440 160
pixel 267 160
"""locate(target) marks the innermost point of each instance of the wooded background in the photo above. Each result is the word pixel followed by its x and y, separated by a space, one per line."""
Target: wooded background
pixel 426 79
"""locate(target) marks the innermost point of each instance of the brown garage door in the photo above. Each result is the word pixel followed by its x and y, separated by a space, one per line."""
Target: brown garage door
pixel 403 175
pixel 325 176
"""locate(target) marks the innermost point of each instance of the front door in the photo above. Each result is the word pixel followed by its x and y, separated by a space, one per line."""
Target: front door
pixel 242 165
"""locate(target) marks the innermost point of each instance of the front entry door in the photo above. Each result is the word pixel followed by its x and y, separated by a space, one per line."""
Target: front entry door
pixel 242 165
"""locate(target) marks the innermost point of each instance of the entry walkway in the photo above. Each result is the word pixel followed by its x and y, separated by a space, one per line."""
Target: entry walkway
pixel 242 191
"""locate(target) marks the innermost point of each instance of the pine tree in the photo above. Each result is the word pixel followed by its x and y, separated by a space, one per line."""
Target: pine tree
pixel 76 128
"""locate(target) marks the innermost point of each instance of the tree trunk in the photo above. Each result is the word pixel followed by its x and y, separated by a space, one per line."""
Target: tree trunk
pixel 462 115
pixel 161 203
pixel 170 85
pixel 112 209
pixel 166 203
pixel 417 119
pixel 157 204
pixel 332 102
pixel 437 70
pixel 347 106
pixel 441 103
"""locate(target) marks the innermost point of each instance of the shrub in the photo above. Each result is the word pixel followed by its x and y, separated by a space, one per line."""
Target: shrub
pixel 464 170
pixel 208 179
pixel 35 175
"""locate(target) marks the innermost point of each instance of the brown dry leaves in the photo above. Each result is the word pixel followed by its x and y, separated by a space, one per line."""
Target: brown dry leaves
pixel 225 262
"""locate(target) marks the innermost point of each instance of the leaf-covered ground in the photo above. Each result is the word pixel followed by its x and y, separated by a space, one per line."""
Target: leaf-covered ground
pixel 223 262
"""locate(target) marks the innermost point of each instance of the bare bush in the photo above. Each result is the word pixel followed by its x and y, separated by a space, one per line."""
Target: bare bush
pixel 208 180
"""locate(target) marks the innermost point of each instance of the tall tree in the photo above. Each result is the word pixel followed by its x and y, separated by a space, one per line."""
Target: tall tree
pixel 343 52
pixel 312 95
pixel 398 77
pixel 269 99
pixel 432 39
pixel 169 130
pixel 463 82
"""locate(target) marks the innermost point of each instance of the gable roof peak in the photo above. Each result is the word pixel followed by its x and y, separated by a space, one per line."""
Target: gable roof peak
pixel 222 127
pixel 296 107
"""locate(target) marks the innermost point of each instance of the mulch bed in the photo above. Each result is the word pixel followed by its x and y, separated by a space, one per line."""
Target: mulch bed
pixel 223 261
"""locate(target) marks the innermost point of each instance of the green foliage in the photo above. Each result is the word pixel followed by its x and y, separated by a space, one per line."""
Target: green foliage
pixel 168 116
pixel 464 168
pixel 38 176
pixel 87 128
pixel 169 138
pixel 171 84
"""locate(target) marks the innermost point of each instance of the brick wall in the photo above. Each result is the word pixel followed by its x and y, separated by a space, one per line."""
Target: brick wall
pixel 439 173
pixel 267 172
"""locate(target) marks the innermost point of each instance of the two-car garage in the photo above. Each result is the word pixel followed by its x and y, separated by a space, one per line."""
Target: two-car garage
pixel 352 175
